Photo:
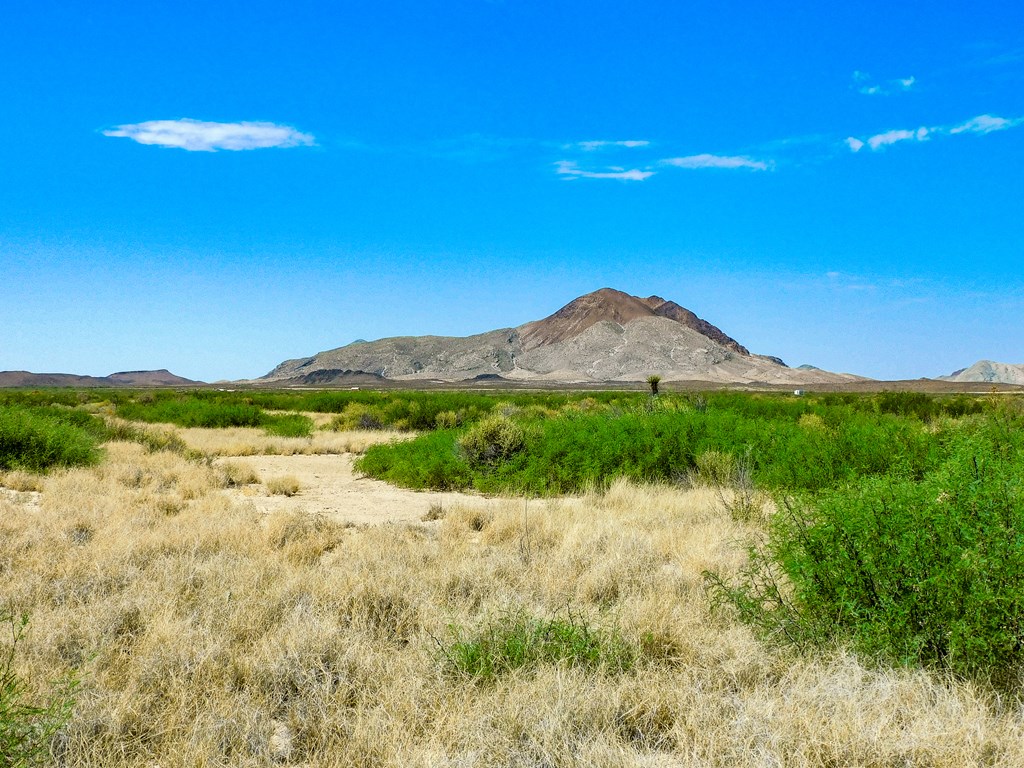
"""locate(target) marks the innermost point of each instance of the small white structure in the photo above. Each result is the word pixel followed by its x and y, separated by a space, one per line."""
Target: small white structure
pixel 798 392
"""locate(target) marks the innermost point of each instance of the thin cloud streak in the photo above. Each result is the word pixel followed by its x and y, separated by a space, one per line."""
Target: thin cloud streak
pixel 980 125
pixel 718 161
pixel 570 170
pixel 862 82
pixel 593 146
pixel 202 136
pixel 987 124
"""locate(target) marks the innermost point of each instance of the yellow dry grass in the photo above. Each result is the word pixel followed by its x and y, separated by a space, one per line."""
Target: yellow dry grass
pixel 205 634
pixel 250 441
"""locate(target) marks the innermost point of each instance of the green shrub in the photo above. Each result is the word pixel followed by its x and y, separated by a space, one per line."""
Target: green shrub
pixel 494 439
pixel 26 728
pixel 193 411
pixel 715 468
pixel 515 640
pixel 288 425
pixel 36 439
pixel 358 416
pixel 924 572
pixel 430 461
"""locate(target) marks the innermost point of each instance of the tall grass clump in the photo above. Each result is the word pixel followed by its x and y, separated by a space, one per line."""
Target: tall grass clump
pixel 38 438
pixel 912 572
pixel 517 640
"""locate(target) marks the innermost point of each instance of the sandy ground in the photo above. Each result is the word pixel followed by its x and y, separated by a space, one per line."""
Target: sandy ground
pixel 328 485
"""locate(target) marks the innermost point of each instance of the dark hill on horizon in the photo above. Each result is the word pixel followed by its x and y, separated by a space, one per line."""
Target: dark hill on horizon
pixel 159 378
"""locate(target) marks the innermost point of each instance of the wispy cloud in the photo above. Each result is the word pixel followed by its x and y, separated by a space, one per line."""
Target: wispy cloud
pixel 981 124
pixel 718 161
pixel 571 170
pixel 987 124
pixel 894 137
pixel 202 136
pixel 865 84
pixel 593 146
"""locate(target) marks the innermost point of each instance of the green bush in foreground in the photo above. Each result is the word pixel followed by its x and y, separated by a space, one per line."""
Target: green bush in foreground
pixel 37 439
pixel 516 640
pixel 26 729
pixel 922 572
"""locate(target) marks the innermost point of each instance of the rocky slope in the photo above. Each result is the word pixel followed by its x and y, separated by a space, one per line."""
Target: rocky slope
pixel 604 336
pixel 990 372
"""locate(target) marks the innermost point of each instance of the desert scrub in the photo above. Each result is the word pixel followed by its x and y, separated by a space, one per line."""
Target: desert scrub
pixel 287 485
pixel 576 451
pixel 38 438
pixel 430 461
pixel 287 425
pixel 517 640
pixel 495 439
pixel 911 572
pixel 26 728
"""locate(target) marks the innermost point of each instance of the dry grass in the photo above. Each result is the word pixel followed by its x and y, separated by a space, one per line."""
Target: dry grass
pixel 18 480
pixel 205 634
pixel 250 441
pixel 287 485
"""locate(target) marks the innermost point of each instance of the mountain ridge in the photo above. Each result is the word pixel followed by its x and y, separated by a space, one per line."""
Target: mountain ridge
pixel 603 336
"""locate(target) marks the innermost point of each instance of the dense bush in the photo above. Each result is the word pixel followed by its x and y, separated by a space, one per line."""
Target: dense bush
pixel 494 439
pixel 910 571
pixel 430 461
pixel 784 446
pixel 37 438
pixel 192 412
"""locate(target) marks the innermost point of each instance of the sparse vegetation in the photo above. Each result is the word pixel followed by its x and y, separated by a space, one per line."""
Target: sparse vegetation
pixel 876 618
pixel 287 485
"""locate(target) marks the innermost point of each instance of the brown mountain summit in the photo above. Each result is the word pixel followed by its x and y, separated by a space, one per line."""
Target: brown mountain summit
pixel 609 305
pixel 604 336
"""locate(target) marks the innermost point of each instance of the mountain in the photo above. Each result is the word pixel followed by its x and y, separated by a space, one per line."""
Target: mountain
pixel 604 336
pixel 161 378
pixel 989 372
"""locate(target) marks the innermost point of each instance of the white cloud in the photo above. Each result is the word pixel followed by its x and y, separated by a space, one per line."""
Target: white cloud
pixel 894 137
pixel 862 81
pixel 986 124
pixel 591 146
pixel 570 169
pixel 718 161
pixel 982 124
pixel 202 136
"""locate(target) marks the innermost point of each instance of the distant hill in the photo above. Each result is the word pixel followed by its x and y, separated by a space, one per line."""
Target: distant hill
pixel 604 336
pixel 160 378
pixel 990 372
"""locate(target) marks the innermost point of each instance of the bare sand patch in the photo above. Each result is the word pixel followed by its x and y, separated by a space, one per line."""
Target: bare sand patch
pixel 329 486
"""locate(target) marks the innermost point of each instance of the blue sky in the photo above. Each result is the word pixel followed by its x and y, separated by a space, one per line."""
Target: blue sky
pixel 215 187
